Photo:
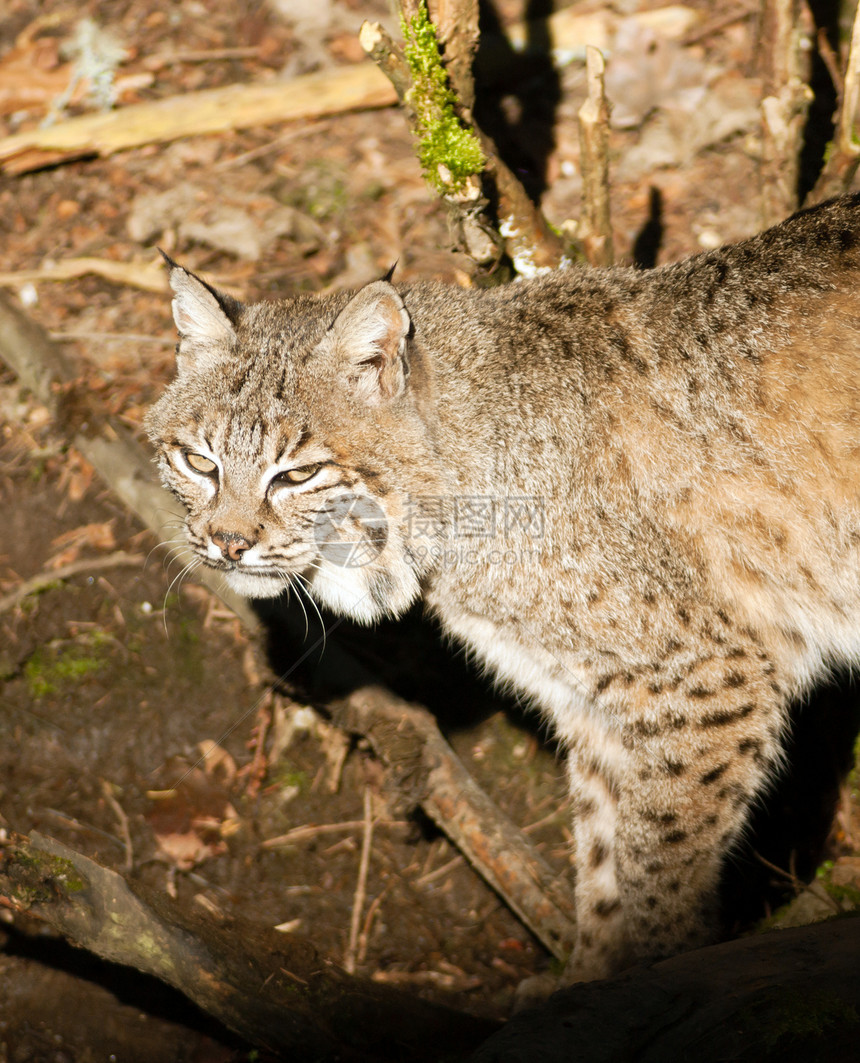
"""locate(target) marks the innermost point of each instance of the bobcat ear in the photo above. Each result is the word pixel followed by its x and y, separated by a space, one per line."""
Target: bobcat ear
pixel 204 317
pixel 369 336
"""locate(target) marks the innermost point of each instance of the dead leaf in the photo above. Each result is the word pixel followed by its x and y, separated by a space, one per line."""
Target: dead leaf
pixel 76 476
pixel 217 762
pixel 192 819
pixel 30 77
pixel 99 536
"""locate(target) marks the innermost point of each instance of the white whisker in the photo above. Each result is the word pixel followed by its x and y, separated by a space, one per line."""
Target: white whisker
pixel 304 582
pixel 186 570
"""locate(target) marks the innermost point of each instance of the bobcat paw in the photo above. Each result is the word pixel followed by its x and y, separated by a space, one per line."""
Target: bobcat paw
pixel 535 990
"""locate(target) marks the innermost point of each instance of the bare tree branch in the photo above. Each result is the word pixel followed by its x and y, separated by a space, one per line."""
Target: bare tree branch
pixel 786 40
pixel 595 225
pixel 488 208
pixel 43 580
pixel 844 151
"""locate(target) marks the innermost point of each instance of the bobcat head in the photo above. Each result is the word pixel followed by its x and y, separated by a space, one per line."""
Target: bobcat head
pixel 295 437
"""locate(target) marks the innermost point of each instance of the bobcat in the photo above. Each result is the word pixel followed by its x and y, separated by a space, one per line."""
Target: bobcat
pixel 634 496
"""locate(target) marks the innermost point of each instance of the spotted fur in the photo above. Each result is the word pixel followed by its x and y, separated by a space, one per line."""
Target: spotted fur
pixel 690 439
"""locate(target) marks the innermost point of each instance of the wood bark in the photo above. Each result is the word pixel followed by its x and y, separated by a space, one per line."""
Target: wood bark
pixel 456 23
pixel 785 101
pixel 595 225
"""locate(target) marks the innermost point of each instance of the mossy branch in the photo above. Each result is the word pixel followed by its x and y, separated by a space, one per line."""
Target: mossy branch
pixel 490 213
pixel 448 150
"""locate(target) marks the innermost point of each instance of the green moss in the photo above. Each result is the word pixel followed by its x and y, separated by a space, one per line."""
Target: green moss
pixel 851 894
pixel 286 778
pixel 52 667
pixel 322 193
pixel 447 150
pixel 43 866
pixel 805 1014
pixel 66 873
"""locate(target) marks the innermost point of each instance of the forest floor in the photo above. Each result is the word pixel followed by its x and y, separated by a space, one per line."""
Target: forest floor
pixel 114 682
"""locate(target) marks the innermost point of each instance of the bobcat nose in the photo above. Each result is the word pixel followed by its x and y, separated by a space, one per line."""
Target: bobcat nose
pixel 231 544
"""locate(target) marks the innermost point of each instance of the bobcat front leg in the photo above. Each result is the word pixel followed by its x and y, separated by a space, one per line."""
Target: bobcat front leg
pixel 662 780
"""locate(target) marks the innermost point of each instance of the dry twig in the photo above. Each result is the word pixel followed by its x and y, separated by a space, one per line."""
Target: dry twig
pixel 428 773
pixel 311 830
pixel 361 886
pixel 44 580
pixel 122 819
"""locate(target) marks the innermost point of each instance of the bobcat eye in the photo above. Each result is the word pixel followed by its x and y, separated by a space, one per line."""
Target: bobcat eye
pixel 199 463
pixel 298 476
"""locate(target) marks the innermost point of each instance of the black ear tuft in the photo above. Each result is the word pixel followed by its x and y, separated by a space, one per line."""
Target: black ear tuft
pixel 231 307
pixel 390 272
pixel 168 261
pixel 206 319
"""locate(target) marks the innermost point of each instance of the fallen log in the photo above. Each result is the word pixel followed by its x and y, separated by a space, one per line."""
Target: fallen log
pixel 770 998
pixel 273 989
pixel 357 87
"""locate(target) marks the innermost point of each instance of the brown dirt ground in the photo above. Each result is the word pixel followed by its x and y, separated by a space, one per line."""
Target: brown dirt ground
pixel 110 682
